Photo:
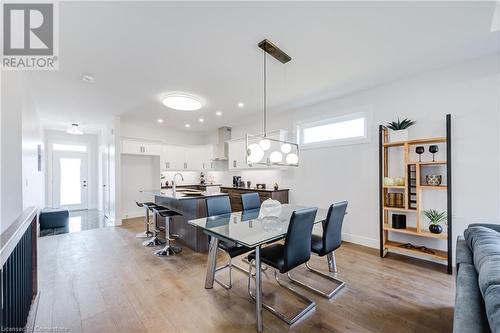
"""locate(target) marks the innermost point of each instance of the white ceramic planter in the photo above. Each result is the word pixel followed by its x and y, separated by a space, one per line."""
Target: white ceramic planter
pixel 396 136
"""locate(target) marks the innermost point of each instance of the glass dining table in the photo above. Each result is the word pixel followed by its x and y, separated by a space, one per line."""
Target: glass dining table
pixel 252 229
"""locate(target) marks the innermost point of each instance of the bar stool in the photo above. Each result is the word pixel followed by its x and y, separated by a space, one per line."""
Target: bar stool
pixel 155 240
pixel 147 233
pixel 168 250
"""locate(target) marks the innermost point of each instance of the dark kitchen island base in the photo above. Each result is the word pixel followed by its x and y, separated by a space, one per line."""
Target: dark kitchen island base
pixel 190 208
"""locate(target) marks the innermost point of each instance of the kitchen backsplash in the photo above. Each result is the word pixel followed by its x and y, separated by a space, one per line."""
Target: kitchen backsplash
pixel 268 177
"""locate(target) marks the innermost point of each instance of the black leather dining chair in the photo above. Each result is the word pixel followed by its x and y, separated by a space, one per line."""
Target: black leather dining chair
pixel 220 205
pixel 326 245
pixel 295 251
pixel 250 201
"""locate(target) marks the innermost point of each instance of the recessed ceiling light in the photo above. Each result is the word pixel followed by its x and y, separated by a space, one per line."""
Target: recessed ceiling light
pixel 160 120
pixel 88 78
pixel 201 120
pixel 241 104
pixel 181 102
pixel 187 125
pixel 218 113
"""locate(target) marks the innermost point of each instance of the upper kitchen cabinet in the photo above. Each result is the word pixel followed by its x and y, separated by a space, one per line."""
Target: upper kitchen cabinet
pixel 237 154
pixel 140 148
pixel 192 158
pixel 195 157
pixel 172 157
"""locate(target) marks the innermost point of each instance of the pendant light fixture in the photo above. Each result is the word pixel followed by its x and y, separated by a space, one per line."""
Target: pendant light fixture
pixel 267 150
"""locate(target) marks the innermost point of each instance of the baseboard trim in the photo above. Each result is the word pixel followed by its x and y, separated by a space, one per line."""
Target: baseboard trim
pixel 361 240
pixel 30 323
pixel 132 215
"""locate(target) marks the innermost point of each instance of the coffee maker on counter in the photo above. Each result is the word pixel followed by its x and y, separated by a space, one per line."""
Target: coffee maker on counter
pixel 237 182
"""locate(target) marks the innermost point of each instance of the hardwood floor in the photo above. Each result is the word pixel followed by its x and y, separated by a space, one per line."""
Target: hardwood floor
pixel 104 280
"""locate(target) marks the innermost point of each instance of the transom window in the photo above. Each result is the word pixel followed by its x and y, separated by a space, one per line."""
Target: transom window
pixel 340 130
pixel 64 147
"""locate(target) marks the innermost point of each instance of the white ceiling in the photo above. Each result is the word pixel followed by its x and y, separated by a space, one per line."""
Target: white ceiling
pixel 137 51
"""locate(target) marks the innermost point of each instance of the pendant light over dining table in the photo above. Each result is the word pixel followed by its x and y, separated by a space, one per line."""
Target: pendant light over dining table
pixel 262 149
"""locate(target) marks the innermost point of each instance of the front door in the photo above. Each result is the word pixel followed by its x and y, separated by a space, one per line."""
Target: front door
pixel 70 180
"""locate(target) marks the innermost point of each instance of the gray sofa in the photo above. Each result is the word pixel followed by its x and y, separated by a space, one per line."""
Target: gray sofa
pixel 477 302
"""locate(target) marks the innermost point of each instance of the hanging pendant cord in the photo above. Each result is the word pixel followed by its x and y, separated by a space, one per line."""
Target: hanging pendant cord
pixel 265 94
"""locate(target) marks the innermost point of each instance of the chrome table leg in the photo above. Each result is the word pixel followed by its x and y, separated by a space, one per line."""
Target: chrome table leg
pixel 212 261
pixel 258 290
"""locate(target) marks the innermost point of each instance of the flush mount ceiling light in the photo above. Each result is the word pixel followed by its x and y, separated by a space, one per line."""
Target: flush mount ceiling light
pixel 74 130
pixel 181 102
pixel 201 120
pixel 218 113
pixel 187 125
pixel 241 104
pixel 160 120
pixel 88 78
pixel 263 150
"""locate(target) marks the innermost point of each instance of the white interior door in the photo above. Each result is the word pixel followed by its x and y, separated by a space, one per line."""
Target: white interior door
pixel 70 180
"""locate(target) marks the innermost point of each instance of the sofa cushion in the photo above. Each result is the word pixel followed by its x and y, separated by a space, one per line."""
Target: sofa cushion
pixel 469 315
pixel 492 304
pixel 485 245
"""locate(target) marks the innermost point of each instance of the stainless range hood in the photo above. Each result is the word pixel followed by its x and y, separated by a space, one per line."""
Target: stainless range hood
pixel 221 149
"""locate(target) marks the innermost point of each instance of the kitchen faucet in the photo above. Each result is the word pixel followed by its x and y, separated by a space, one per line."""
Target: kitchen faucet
pixel 174 185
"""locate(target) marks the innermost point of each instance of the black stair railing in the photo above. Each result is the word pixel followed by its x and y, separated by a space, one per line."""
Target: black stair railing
pixel 18 276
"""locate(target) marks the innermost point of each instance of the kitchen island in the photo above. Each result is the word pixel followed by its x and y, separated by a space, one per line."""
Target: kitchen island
pixel 191 207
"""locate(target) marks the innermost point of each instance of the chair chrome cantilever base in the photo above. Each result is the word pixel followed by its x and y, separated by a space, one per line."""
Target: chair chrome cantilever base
pixel 290 321
pixel 229 265
pixel 332 266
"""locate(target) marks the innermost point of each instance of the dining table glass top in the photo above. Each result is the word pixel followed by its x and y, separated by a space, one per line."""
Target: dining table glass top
pixel 252 228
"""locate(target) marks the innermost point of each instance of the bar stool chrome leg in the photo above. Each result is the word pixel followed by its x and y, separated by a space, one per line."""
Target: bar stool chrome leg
pixel 155 240
pixel 147 233
pixel 168 249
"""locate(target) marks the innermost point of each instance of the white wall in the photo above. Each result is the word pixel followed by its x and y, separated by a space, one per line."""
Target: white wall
pixel 11 149
pixel 89 140
pixel 156 133
pixel 21 184
pixel 470 92
pixel 32 138
pixel 138 173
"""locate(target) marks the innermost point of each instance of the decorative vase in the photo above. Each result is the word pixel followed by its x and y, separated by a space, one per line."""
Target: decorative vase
pixel 433 180
pixel 400 135
pixel 435 228
pixel 270 207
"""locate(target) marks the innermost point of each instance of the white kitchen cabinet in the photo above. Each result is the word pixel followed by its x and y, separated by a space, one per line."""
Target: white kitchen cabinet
pixel 172 158
pixel 208 162
pixel 237 155
pixel 195 157
pixel 140 148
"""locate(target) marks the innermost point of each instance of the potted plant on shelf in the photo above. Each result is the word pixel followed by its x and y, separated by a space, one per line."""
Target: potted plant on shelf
pixel 399 129
pixel 435 218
